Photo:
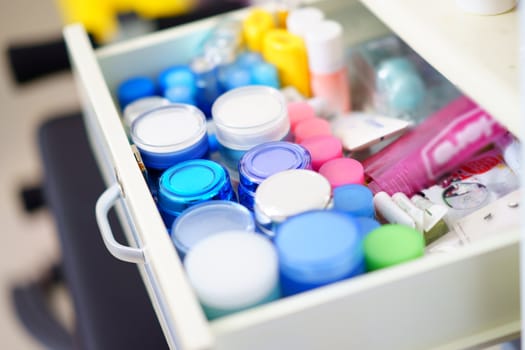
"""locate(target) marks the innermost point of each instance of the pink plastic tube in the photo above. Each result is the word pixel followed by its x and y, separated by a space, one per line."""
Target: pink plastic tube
pixel 438 145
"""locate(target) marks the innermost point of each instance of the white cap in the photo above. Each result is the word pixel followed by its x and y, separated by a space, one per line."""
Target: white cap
pixel 290 192
pixel 232 269
pixel 299 21
pixel 324 45
pixel 140 106
pixel 247 116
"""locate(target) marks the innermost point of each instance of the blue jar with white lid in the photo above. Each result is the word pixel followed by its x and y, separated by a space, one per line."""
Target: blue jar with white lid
pixel 189 183
pixel 134 88
pixel 354 199
pixel 263 161
pixel 207 219
pixel 246 117
pixel 170 134
pixel 317 248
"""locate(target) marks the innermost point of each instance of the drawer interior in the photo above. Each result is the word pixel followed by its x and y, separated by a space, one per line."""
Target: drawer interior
pixel 459 299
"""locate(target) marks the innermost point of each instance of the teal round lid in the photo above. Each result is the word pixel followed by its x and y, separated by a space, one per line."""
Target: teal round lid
pixel 192 182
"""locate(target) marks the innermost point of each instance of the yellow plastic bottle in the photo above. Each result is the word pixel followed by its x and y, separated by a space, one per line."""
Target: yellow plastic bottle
pixel 288 53
pixel 255 26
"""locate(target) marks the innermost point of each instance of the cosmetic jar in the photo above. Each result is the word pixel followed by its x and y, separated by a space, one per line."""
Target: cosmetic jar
pixel 288 193
pixel 392 244
pixel 354 199
pixel 170 134
pixel 263 161
pixel 207 219
pixel 232 271
pixel 246 117
pixel 134 88
pixel 189 183
pixel 317 248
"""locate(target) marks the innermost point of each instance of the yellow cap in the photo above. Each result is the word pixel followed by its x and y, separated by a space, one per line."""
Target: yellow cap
pixel 96 15
pixel 255 25
pixel 162 8
pixel 288 53
pixel 281 15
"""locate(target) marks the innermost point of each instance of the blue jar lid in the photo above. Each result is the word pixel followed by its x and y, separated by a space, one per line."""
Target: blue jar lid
pixel 247 59
pixel 234 76
pixel 177 76
pixel 134 88
pixel 366 225
pixel 209 218
pixel 269 158
pixel 354 199
pixel 266 74
pixel 192 182
pixel 170 134
pixel 319 246
pixel 180 94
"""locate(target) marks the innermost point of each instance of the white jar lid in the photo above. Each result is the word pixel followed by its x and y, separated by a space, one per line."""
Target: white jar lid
pixel 140 106
pixel 300 20
pixel 324 45
pixel 232 269
pixel 169 128
pixel 289 193
pixel 247 116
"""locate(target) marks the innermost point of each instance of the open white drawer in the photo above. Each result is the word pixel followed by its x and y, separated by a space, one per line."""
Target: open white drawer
pixel 461 299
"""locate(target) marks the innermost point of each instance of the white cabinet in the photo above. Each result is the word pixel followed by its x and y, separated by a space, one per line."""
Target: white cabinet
pixel 456 300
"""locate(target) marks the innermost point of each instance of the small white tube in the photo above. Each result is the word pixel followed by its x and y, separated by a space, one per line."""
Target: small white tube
pixel 389 210
pixel 410 208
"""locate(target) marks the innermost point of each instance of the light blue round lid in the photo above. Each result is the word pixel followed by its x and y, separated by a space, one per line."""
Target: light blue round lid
pixel 176 76
pixel 206 219
pixel 180 94
pixel 265 74
pixel 355 199
pixel 248 58
pixel 318 246
pixel 192 182
pixel 269 158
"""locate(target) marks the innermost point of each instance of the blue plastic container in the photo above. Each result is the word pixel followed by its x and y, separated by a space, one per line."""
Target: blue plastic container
pixel 169 135
pixel 354 199
pixel 317 248
pixel 177 76
pixel 134 88
pixel 189 183
pixel 207 84
pixel 206 219
pixel 264 73
pixel 263 161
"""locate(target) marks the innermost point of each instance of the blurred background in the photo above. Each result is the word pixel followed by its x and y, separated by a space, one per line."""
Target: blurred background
pixel 29 242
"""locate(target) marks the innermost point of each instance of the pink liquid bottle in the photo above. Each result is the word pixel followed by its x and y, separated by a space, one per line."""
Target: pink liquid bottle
pixel 326 61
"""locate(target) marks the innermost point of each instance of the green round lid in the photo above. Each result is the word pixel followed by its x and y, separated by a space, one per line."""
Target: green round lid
pixel 392 244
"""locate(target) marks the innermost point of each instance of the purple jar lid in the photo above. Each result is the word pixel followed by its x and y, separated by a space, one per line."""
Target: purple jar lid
pixel 266 159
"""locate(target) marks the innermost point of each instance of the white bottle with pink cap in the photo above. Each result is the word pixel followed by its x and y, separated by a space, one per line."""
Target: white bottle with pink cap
pixel 326 60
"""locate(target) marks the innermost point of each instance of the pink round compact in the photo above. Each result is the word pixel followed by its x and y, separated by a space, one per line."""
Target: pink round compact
pixel 322 149
pixel 311 127
pixel 299 111
pixel 343 171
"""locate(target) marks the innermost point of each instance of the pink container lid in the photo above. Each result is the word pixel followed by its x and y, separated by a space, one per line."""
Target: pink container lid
pixel 343 171
pixel 299 111
pixel 311 127
pixel 322 149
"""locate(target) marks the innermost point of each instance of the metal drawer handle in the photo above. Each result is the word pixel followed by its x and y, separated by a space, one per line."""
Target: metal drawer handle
pixel 104 203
